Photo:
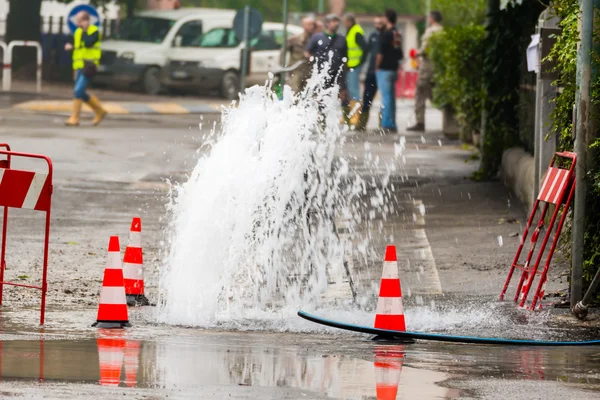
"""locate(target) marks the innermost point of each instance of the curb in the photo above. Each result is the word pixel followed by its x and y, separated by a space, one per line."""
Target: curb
pixel 122 108
pixel 518 171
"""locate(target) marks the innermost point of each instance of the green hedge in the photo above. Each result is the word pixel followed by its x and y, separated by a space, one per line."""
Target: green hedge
pixel 457 55
pixel 564 54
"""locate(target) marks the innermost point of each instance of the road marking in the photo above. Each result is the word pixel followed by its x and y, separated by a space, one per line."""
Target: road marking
pixel 420 270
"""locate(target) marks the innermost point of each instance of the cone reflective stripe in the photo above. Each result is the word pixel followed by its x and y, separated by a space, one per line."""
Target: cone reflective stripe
pixel 132 352
pixel 112 310
pixel 133 264
pixel 388 368
pixel 110 355
pixel 390 312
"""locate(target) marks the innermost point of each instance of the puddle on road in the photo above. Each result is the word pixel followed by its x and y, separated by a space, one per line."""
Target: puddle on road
pixel 213 364
pixel 268 365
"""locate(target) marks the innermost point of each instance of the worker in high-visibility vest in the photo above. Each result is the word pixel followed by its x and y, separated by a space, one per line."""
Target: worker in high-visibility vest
pixel 86 58
pixel 357 50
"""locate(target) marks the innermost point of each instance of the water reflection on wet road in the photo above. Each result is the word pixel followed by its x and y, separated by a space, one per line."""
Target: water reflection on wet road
pixel 267 365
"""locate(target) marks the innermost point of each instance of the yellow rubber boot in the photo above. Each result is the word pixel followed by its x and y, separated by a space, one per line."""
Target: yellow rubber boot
pixel 100 112
pixel 355 109
pixel 74 118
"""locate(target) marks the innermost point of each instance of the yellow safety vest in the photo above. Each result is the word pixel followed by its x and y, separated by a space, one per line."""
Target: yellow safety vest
pixel 355 53
pixel 82 53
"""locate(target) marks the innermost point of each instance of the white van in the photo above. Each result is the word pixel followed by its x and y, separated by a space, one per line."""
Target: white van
pixel 212 62
pixel 136 53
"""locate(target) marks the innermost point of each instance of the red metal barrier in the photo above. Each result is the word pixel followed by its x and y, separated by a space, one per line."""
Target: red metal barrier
pixel 26 190
pixel 557 189
pixel 406 84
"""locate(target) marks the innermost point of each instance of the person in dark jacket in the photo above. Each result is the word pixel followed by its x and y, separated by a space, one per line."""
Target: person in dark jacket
pixel 370 80
pixel 386 70
pixel 329 48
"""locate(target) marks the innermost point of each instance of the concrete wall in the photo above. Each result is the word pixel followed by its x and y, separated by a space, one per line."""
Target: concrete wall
pixel 518 173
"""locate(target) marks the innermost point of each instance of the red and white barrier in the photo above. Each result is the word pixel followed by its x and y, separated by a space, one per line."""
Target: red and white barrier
pixel 388 369
pixel 132 362
pixel 112 310
pixel 390 312
pixel 7 74
pixel 133 265
pixel 111 352
pixel 26 190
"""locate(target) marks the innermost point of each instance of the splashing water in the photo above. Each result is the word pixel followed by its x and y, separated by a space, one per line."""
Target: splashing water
pixel 252 231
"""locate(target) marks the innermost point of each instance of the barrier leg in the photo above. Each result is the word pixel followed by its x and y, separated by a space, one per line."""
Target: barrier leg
pixel 539 257
pixel 3 254
pixel 525 275
pixel 516 259
pixel 45 272
pixel 538 292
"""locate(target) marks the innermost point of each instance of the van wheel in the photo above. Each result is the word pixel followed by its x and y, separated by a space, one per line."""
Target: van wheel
pixel 230 85
pixel 151 81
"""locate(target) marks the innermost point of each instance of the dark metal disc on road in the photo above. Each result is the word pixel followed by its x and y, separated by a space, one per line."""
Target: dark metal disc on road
pixel 256 21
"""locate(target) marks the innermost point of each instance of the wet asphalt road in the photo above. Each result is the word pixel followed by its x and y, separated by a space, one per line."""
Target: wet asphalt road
pixel 104 175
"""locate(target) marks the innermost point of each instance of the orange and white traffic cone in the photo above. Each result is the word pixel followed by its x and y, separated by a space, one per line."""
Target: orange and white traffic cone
pixel 112 311
pixel 132 353
pixel 388 368
pixel 111 355
pixel 133 266
pixel 390 313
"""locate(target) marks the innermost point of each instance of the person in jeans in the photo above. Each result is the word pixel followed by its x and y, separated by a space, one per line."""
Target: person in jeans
pixel 388 62
pixel 370 80
pixel 357 49
pixel 425 80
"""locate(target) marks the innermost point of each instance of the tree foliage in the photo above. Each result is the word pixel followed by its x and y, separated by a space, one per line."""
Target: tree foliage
pixel 507 37
pixel 460 12
pixel 457 56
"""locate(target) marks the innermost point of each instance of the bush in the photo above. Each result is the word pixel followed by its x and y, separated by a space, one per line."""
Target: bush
pixel 457 55
pixel 564 53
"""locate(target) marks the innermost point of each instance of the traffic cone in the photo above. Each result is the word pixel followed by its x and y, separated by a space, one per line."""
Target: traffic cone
pixel 133 266
pixel 388 368
pixel 111 355
pixel 132 352
pixel 112 311
pixel 390 313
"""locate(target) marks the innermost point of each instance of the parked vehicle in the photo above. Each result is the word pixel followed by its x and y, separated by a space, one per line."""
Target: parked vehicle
pixel 136 53
pixel 213 61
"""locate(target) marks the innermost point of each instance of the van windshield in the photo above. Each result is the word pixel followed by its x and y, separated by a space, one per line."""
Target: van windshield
pixel 143 29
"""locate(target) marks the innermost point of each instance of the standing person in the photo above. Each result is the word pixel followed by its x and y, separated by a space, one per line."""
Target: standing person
pixel 386 70
pixel 318 26
pixel 86 57
pixel 296 46
pixel 425 79
pixel 357 49
pixel 328 47
pixel 370 80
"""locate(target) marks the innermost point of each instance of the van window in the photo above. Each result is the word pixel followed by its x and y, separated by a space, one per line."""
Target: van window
pixel 190 32
pixel 143 29
pixel 218 37
pixel 264 42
